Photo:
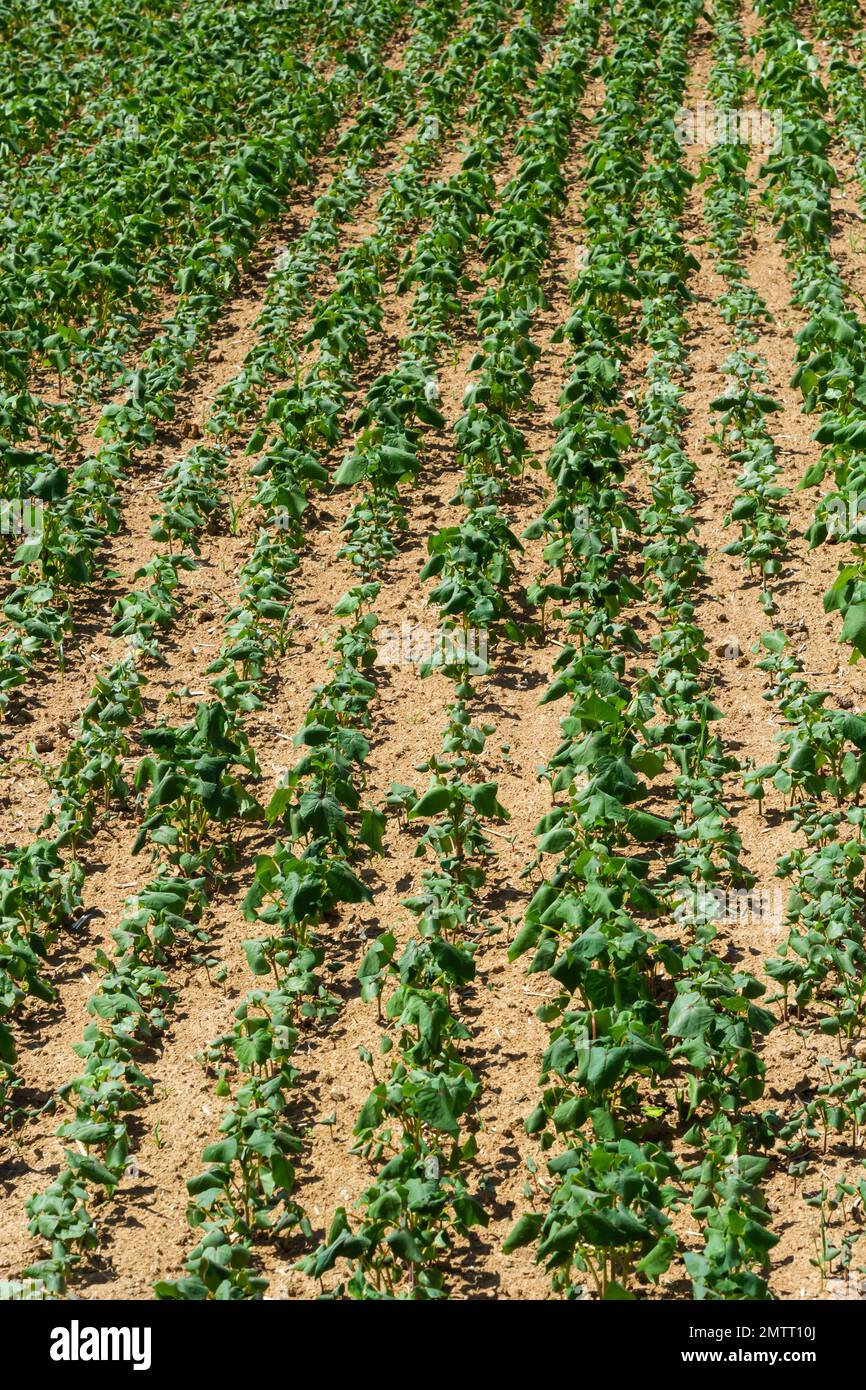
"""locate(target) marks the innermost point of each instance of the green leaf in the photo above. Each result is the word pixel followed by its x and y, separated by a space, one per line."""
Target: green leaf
pixel 524 1232
pixel 854 627
pixel 432 803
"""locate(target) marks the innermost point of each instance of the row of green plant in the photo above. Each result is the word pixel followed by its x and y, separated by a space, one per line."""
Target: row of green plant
pixel 251 639
pixel 81 506
pixel 90 778
pixel 743 406
pixel 652 1063
pixel 338 709
pixel 423 1110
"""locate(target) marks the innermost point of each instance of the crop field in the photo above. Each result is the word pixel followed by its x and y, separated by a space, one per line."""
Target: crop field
pixel 432 733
